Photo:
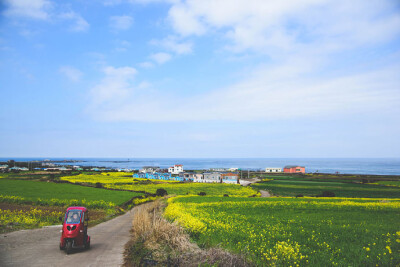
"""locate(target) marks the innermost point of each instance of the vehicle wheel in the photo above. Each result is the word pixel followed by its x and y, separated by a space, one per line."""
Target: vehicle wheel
pixel 69 247
pixel 61 248
pixel 87 245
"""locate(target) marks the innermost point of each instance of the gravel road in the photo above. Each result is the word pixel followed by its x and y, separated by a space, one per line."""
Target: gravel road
pixel 40 247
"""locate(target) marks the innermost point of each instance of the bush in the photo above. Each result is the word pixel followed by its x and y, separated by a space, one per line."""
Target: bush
pixel 299 195
pixel 99 185
pixel 327 194
pixel 161 192
pixel 202 194
pixel 226 195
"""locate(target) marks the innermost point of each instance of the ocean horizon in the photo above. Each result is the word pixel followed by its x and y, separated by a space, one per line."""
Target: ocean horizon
pixel 379 166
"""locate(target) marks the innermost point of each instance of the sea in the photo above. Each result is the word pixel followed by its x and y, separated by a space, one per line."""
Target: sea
pixel 379 166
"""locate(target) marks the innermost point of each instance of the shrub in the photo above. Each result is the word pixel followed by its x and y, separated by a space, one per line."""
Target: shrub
pixel 99 185
pixel 202 194
pixel 299 195
pixel 161 192
pixel 226 195
pixel 327 194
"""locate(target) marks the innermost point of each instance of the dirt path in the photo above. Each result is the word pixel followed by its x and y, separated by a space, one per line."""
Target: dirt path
pixel 39 247
pixel 265 193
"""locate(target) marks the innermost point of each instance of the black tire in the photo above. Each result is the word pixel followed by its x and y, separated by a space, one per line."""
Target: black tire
pixel 68 247
pixel 87 245
pixel 61 248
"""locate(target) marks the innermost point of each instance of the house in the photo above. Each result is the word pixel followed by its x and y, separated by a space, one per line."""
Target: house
pixel 271 169
pixel 3 167
pixel 198 178
pixel 294 169
pixel 176 169
pixel 230 178
pixel 157 176
pixel 188 176
pixel 149 169
pixel 212 177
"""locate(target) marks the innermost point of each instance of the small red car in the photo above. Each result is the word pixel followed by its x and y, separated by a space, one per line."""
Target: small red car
pixel 74 229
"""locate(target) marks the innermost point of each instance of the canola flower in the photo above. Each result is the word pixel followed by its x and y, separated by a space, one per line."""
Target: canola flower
pixel 33 217
pixel 109 178
pixel 294 232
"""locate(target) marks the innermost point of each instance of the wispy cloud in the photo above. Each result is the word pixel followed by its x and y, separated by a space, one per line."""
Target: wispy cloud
pixel 146 64
pixel 172 44
pixel 114 88
pixel 160 58
pixel 282 92
pixel 270 26
pixel 121 23
pixel 34 9
pixel 71 73
pixel 79 23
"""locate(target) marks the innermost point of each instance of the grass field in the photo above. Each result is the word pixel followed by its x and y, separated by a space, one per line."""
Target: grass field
pixel 33 190
pixel 191 188
pixel 288 187
pixel 295 232
pixel 118 181
pixel 108 178
pixel 29 204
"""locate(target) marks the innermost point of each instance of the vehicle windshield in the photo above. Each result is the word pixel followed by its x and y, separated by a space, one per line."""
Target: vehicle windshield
pixel 74 216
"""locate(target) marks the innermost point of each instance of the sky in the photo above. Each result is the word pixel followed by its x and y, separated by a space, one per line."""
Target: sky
pixel 200 78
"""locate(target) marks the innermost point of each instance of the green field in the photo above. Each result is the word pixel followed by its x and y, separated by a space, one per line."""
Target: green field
pixel 46 191
pixel 121 181
pixel 191 188
pixel 389 183
pixel 295 231
pixel 312 188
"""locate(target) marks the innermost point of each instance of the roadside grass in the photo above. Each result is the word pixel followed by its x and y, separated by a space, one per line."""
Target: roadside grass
pixel 313 188
pixel 295 231
pixel 157 242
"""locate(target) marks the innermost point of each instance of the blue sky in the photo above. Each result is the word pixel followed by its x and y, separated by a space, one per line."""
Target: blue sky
pixel 200 78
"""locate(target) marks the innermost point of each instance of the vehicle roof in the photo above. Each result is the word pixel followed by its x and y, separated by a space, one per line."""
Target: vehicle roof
pixel 77 208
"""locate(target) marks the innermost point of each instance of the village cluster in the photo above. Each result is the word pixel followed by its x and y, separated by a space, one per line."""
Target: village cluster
pixel 214 175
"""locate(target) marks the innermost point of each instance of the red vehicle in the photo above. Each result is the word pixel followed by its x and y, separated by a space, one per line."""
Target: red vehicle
pixel 74 230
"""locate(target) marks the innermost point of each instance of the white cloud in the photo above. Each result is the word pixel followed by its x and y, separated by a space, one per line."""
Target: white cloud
pixel 270 26
pixel 71 73
pixel 121 23
pixel 114 88
pixel 121 45
pixel 282 92
pixel 160 58
pixel 79 23
pixel 117 2
pixel 35 9
pixel 146 65
pixel 172 44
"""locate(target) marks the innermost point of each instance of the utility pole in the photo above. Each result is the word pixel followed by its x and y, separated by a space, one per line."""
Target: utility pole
pixel 248 174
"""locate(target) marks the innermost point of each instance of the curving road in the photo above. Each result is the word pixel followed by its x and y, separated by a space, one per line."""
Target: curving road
pixel 39 247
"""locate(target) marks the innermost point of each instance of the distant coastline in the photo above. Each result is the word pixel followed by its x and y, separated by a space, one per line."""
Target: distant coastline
pixel 378 166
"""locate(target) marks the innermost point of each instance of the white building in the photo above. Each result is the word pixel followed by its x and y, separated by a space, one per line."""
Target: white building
pixel 211 177
pixel 273 169
pixel 150 169
pixel 176 169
